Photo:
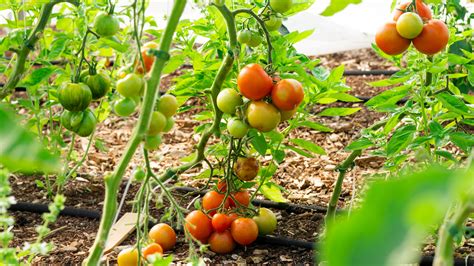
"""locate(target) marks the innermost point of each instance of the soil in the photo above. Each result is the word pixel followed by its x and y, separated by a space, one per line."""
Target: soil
pixel 306 180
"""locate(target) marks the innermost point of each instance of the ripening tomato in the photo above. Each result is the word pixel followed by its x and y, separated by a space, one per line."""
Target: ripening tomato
pixel 242 197
pixel 254 83
pixel 244 36
pixel 287 94
pixel 163 235
pixel 409 25
pixel 212 200
pixel 286 115
pixel 433 38
pixel 228 100
pixel 152 249
pixel 244 231
pixel 220 222
pixel 128 257
pixel 266 221
pixel 105 24
pixel 422 9
pixel 125 107
pixel 157 123
pixel 389 40
pixel 263 116
pixel 199 225
pixel 246 169
pixel 237 128
pixel 273 23
pixel 222 242
pixel 152 142
pixel 131 85
pixel 167 105
pixel 148 60
pixel 281 6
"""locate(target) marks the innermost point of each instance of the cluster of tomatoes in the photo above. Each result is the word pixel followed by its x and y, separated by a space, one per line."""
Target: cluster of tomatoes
pixel 268 104
pixel 413 23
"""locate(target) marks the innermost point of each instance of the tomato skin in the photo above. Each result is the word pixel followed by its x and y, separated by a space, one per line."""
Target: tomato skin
pixel 222 186
pixel 237 128
pixel 273 23
pixel 263 116
pixel 409 25
pixel 167 105
pixel 106 25
pixel 148 60
pixel 66 120
pixel 131 85
pixel 423 10
pixel 157 123
pixel 169 124
pixel 222 242
pixel 287 94
pixel 221 222
pixel 266 221
pixel 199 225
pixel 151 249
pixel 99 85
pixel 87 125
pixel 287 115
pixel 213 200
pixel 244 36
pixel 75 97
pixel 255 39
pixel 125 107
pixel 228 100
pixel 163 235
pixel 242 197
pixel 389 40
pixel 281 6
pixel 244 231
pixel 128 257
pixel 254 83
pixel 152 142
pixel 246 169
pixel 433 39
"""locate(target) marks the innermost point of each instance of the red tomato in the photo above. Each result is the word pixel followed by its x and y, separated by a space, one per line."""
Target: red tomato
pixel 222 243
pixel 212 200
pixel 151 249
pixel 148 59
pixel 422 9
pixel 163 235
pixel 220 222
pixel 287 94
pixel 242 197
pixel 199 225
pixel 233 217
pixel 254 83
pixel 244 231
pixel 222 186
pixel 433 38
pixel 389 40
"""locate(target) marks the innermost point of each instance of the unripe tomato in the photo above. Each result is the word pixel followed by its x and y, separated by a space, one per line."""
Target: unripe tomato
pixel 169 124
pixel 389 40
pixel 148 60
pixel 237 128
pixel 139 174
pixel 244 231
pixel 244 36
pixel 286 115
pixel 228 100
pixel 75 97
pixel 287 94
pixel 212 200
pixel 87 125
pixel 221 222
pixel 255 39
pixel 254 83
pixel 125 107
pixel 199 225
pixel 433 38
pixel 167 105
pixel 157 124
pixel 128 257
pixel 422 9
pixel 273 23
pixel 266 221
pixel 163 235
pixel 263 116
pixel 131 85
pixel 152 142
pixel 106 24
pixel 222 243
pixel 66 120
pixel 242 197
pixel 246 169
pixel 152 249
pixel 121 73
pixel 99 85
pixel 281 6
pixel 409 25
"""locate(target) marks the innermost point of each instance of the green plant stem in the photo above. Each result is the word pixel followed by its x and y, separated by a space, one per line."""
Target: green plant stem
pixel 445 247
pixel 28 46
pixel 112 182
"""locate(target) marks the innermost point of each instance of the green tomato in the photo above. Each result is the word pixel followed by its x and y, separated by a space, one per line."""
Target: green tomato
pixel 139 174
pixel 266 221
pixel 66 120
pixel 255 39
pixel 244 36
pixel 87 125
pixel 169 124
pixel 281 6
pixel 167 105
pixel 157 124
pixel 130 86
pixel 237 128
pixel 287 115
pixel 106 24
pixel 125 107
pixel 75 97
pixel 228 100
pixel 409 25
pixel 152 142
pixel 273 23
pixel 99 85
pixel 84 76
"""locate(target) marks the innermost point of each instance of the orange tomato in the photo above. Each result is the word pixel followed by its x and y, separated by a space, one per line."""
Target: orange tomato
pixel 244 231
pixel 422 9
pixel 199 225
pixel 222 242
pixel 390 41
pixel 220 222
pixel 212 200
pixel 151 249
pixel 148 59
pixel 433 38
pixel 254 83
pixel 163 235
pixel 222 186
pixel 242 197
pixel 287 94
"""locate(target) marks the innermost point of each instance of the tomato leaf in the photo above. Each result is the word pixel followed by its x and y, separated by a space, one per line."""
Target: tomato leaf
pixel 453 104
pixel 462 140
pixel 343 111
pixel 272 192
pixel 338 5
pixel 37 76
pixel 258 142
pixel 360 144
pixel 315 126
pixel 308 145
pixel 400 139
pixel 388 97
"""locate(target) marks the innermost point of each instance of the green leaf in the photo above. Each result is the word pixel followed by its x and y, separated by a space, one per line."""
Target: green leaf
pixel 462 140
pixel 400 139
pixel 453 104
pixel 335 111
pixel 258 142
pixel 338 5
pixel 115 44
pixel 296 36
pixel 298 6
pixel 57 48
pixel 316 126
pixel 272 192
pixel 397 78
pixel 20 150
pixel 360 144
pixel 37 76
pixel 389 97
pixel 308 145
